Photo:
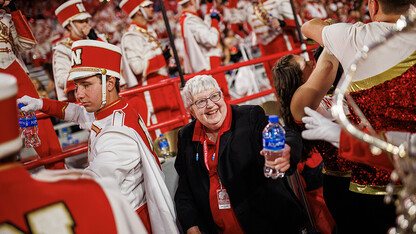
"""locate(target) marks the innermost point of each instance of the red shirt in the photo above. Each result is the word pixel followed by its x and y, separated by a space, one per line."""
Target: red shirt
pixel 225 219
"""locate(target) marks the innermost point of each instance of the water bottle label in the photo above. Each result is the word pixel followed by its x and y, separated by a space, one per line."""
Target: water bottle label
pixel 163 144
pixel 23 123
pixel 273 144
pixel 32 121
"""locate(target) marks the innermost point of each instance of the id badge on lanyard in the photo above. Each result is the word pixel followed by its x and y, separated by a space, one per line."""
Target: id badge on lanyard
pixel 223 198
pixel 222 195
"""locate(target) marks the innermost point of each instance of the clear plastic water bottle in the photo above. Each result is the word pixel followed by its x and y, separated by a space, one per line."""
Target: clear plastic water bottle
pixel 164 146
pixel 29 127
pixel 273 145
pixel 67 138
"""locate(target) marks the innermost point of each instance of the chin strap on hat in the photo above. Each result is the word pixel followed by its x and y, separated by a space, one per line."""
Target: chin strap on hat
pixel 103 87
pixel 143 13
pixel 75 29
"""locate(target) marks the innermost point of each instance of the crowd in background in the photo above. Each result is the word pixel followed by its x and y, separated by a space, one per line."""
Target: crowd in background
pixel 110 20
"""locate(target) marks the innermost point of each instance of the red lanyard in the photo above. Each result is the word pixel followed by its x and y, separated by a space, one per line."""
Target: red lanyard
pixel 206 153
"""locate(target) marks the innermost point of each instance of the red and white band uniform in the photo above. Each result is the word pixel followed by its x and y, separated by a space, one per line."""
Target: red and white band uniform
pixel 16 36
pixel 201 39
pixel 61 60
pixel 315 10
pixel 61 201
pixel 144 64
pixel 119 145
pixel 53 201
pixel 271 41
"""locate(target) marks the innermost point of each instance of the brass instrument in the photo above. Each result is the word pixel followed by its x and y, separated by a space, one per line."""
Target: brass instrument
pixel 404 164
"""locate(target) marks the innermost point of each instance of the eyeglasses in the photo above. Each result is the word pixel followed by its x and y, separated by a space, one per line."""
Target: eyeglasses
pixel 203 102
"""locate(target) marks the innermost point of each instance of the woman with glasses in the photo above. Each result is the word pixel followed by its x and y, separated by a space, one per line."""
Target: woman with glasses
pixel 221 183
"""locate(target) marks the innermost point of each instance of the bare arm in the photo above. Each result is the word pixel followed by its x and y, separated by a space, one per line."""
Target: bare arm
pixel 315 88
pixel 313 29
pixel 193 230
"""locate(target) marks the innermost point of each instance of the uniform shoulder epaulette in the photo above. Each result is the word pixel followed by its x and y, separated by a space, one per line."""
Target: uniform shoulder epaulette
pixel 67 42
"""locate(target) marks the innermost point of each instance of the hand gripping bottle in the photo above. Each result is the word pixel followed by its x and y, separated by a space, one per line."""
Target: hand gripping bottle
pixel 164 146
pixel 29 127
pixel 273 145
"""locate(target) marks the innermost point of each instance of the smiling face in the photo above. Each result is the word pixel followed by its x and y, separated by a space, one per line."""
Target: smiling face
pixel 213 115
pixel 88 92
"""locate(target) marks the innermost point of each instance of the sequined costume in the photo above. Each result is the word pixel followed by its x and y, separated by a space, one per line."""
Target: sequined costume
pixel 384 90
pixel 390 106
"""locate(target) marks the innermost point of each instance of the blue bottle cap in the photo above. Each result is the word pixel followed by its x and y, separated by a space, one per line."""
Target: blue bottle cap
pixel 20 105
pixel 273 118
pixel 161 135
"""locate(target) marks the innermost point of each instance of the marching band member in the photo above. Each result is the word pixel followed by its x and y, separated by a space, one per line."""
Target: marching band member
pixel 119 145
pixel 16 37
pixel 202 42
pixel 383 89
pixel 59 199
pixel 270 21
pixel 74 18
pixel 144 62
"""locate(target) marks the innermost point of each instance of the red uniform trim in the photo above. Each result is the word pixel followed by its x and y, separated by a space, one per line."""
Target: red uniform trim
pixel 155 64
pixel 355 150
pixel 96 129
pixel 143 213
pixel 22 26
pixel 54 108
pixel 131 120
pixel 216 24
pixel 86 207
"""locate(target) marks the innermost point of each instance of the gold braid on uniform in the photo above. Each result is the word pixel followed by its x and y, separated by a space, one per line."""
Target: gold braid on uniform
pixel 149 36
pixel 88 69
pixel 262 14
pixel 67 43
pixel 7 35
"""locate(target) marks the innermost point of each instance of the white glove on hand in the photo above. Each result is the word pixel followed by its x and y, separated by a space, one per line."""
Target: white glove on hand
pixel 31 104
pixel 320 128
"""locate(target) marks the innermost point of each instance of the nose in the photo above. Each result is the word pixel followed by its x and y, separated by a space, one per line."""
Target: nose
pixel 210 103
pixel 79 93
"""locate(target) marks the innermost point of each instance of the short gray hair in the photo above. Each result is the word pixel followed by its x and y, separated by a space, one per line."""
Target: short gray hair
pixel 198 84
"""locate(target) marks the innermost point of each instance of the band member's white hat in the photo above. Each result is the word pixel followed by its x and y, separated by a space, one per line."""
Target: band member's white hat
pixel 132 6
pixel 71 11
pixel 91 57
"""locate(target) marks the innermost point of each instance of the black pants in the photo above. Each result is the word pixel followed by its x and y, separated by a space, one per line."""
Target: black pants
pixel 355 212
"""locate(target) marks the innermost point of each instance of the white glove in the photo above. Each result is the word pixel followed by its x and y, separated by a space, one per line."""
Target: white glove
pixel 31 104
pixel 320 128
